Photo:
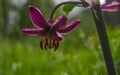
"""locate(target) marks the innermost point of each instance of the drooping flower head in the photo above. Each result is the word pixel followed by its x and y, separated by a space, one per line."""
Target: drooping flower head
pixel 51 30
pixel 113 6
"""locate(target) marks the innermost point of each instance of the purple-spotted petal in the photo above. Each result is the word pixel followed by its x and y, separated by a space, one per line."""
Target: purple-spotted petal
pixel 32 31
pixel 37 17
pixel 60 21
pixel 69 27
pixel 114 6
pixel 59 37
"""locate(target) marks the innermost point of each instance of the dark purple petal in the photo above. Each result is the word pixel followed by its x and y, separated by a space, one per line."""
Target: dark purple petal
pixel 37 17
pixel 60 21
pixel 114 6
pixel 118 0
pixel 59 37
pixel 69 27
pixel 31 31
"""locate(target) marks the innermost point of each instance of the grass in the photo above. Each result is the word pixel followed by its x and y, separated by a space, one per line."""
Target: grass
pixel 24 57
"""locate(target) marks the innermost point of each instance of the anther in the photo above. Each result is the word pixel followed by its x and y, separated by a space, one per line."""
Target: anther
pixel 46 44
pixel 41 45
pixel 56 45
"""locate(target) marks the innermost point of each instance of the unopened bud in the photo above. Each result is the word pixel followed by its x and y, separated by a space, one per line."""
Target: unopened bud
pixel 93 2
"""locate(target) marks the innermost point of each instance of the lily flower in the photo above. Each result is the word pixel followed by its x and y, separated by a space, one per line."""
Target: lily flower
pixel 52 31
pixel 113 6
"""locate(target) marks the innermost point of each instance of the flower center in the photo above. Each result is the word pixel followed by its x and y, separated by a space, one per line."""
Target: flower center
pixel 50 32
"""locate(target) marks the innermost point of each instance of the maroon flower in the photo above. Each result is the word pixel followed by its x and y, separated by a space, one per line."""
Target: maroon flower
pixel 51 30
pixel 113 6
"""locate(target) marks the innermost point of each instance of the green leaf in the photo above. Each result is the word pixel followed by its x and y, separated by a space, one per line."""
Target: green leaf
pixel 68 7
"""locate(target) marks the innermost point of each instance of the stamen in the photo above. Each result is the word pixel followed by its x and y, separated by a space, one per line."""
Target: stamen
pixel 46 41
pixel 46 44
pixel 56 45
pixel 50 43
pixel 41 45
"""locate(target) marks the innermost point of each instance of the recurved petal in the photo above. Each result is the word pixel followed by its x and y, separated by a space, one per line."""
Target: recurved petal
pixel 37 17
pixel 59 37
pixel 60 21
pixel 69 27
pixel 32 31
pixel 114 6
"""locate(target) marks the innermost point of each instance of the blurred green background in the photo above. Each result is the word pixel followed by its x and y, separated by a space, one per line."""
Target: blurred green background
pixel 79 53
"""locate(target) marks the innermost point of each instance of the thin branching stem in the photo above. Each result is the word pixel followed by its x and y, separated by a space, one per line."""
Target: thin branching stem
pixel 84 4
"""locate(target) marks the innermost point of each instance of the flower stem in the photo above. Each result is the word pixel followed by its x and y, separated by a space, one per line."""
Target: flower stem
pixel 84 4
pixel 97 14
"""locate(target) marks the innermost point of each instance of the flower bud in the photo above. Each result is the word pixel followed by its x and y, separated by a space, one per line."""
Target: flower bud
pixel 93 2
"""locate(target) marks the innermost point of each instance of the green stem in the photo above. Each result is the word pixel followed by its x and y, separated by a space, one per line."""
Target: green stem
pixel 100 26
